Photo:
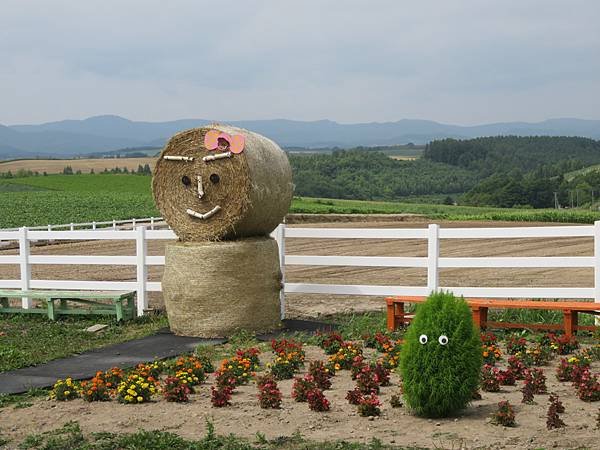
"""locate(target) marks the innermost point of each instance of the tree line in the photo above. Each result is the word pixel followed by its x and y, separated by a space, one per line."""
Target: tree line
pixel 523 171
pixel 369 175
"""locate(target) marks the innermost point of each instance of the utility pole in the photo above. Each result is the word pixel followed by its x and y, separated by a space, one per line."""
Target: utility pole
pixel 571 198
pixel 556 205
pixel 592 204
pixel 577 195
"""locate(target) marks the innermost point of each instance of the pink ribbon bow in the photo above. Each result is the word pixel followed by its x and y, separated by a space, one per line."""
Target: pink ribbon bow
pixel 216 140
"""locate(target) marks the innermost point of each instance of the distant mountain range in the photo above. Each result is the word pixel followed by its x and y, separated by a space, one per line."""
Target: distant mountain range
pixel 69 138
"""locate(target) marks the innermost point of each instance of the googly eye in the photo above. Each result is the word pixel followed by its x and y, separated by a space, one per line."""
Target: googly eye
pixel 443 339
pixel 423 339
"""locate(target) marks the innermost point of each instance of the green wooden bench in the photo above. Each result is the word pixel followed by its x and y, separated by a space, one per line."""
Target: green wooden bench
pixel 122 302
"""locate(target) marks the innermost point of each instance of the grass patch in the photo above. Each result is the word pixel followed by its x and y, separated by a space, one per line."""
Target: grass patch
pixel 534 316
pixel 22 400
pixel 27 340
pixel 70 436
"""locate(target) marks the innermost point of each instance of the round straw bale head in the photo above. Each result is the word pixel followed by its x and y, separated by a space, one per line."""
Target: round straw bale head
pixel 246 191
pixel 212 289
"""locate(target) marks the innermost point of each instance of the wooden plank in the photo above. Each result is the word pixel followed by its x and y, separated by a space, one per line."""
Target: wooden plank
pixel 357 233
pixel 85 285
pixel 82 235
pixel 24 311
pixel 513 262
pixel 353 289
pixel 506 304
pixel 83 259
pixel 521 292
pixel 516 232
pixel 108 295
pixel 360 261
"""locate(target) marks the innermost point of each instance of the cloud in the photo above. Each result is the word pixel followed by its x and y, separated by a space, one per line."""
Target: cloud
pixel 464 61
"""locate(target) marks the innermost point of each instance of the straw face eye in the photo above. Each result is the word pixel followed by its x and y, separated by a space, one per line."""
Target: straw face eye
pixel 423 339
pixel 443 339
pixel 214 178
pixel 186 180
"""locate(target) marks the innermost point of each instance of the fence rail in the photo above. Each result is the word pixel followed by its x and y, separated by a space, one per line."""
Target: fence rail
pixel 432 262
pixel 152 223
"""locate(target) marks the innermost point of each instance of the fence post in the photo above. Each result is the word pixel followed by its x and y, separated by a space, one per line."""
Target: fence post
pixel 72 227
pixel 142 272
pixel 114 224
pixel 597 266
pixel 433 255
pixel 280 238
pixel 152 223
pixel 25 266
pixel 93 225
pixel 133 224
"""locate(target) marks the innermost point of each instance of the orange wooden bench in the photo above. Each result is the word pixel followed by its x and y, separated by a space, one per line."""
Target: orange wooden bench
pixel 397 316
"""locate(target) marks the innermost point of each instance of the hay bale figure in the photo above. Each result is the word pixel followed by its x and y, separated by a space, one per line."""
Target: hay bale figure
pixel 222 190
pixel 220 182
pixel 441 357
pixel 213 288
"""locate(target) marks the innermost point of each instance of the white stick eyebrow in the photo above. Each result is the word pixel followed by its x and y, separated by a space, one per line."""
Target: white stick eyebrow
pixel 217 156
pixel 178 158
pixel 204 216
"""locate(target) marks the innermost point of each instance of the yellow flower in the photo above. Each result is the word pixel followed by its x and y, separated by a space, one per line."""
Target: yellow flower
pixel 128 398
pixel 140 399
pixel 67 392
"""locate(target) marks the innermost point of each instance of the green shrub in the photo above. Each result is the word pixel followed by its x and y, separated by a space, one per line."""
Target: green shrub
pixel 440 375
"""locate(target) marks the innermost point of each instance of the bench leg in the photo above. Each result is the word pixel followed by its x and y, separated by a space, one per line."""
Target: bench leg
pixel 480 316
pixel 51 312
pixel 399 315
pixel 119 309
pixel 391 324
pixel 570 322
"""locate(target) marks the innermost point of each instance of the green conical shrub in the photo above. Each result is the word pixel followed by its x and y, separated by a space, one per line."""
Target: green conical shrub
pixel 441 357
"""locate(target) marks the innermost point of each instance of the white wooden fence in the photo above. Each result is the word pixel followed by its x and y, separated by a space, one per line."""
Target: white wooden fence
pixel 150 222
pixel 432 262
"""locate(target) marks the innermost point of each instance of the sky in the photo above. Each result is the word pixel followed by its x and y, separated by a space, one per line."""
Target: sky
pixel 454 61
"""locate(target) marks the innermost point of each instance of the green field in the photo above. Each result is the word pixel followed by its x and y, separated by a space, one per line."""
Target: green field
pixel 60 199
pixel 329 206
pixel 74 198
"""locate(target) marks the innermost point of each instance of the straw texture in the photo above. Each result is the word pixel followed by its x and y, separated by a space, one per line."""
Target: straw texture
pixel 212 289
pixel 254 188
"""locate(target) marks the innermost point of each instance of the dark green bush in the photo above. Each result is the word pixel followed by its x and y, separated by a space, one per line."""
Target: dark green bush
pixel 440 379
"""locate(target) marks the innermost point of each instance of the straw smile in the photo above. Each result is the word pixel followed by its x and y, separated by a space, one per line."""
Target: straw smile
pixel 204 216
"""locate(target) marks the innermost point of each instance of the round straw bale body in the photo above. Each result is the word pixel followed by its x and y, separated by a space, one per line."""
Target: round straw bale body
pixel 246 194
pixel 211 289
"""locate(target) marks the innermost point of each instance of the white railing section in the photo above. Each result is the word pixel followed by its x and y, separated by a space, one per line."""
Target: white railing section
pixel 432 262
pixel 150 222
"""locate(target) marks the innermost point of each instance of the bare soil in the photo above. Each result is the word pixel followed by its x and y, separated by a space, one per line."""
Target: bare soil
pixel 469 429
pixel 306 305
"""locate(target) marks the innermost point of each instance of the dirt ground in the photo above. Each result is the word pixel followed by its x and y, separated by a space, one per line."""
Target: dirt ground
pixel 306 305
pixel 469 429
